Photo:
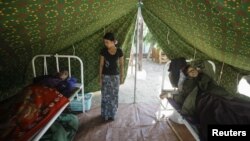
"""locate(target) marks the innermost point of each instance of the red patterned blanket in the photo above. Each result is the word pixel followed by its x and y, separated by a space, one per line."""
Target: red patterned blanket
pixel 27 112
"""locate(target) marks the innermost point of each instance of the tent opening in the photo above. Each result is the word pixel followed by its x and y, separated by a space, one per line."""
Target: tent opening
pixel 244 86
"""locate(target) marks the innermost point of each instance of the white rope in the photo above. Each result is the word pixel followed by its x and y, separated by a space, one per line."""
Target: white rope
pixel 168 36
pixel 194 54
pixel 194 57
pixel 221 72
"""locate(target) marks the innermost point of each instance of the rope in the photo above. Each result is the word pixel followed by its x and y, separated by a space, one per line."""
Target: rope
pixel 221 72
pixel 192 60
pixel 194 53
pixel 74 50
pixel 168 36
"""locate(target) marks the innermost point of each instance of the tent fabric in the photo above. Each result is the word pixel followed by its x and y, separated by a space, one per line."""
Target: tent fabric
pixel 216 30
pixel 89 48
pixel 31 27
pixel 220 29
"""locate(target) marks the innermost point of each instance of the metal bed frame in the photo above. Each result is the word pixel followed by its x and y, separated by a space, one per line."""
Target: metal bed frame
pixel 80 86
pixel 184 121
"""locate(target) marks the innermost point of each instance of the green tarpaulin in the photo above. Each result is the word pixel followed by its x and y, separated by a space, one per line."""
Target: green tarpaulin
pixel 216 29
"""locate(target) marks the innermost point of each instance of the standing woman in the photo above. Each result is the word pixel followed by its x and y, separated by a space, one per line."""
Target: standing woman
pixel 110 76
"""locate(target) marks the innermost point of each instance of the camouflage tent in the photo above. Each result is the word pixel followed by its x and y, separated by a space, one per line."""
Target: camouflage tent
pixel 217 30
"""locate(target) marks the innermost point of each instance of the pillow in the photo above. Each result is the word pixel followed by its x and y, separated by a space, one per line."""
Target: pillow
pixel 72 82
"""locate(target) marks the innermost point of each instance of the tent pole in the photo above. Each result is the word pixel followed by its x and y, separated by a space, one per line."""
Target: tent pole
pixel 136 53
pixel 140 41
pixel 139 30
pixel 134 57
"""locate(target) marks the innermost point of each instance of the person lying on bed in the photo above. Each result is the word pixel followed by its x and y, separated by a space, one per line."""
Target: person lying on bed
pixel 209 103
pixel 60 81
pixel 192 75
pixel 196 84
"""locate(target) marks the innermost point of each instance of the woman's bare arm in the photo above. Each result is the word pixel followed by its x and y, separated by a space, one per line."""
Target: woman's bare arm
pixel 121 64
pixel 101 68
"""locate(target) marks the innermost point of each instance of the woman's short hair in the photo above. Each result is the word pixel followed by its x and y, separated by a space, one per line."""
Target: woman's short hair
pixel 109 36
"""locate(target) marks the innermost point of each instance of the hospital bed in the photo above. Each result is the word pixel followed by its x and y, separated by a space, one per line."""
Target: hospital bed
pixel 45 115
pixel 169 92
pixel 79 87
